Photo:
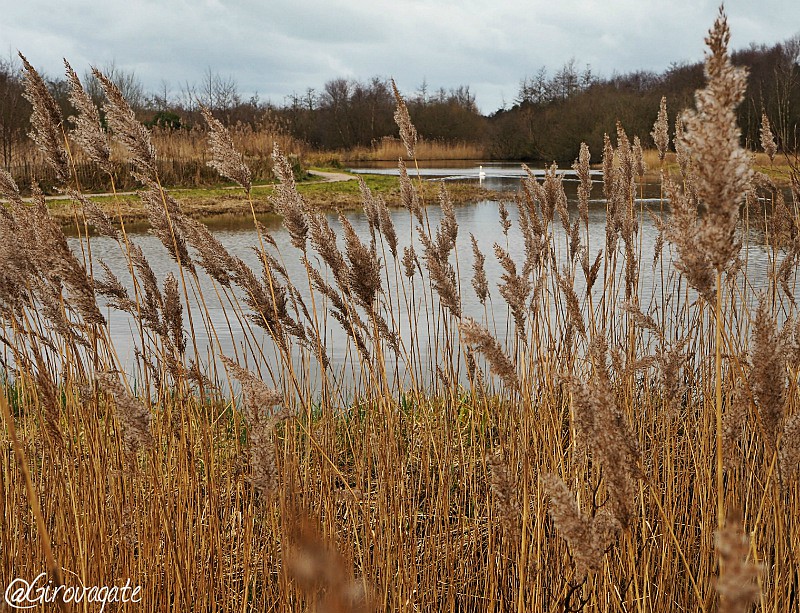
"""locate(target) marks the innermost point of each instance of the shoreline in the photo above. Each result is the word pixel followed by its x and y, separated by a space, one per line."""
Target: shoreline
pixel 334 192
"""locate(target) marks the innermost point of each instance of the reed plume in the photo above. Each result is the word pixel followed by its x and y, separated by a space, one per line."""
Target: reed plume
pixel 364 274
pixel 386 225
pixel 479 281
pixel 790 447
pixel 88 131
pixel 720 167
pixel 128 131
pixel 581 168
pixel 767 138
pixel 768 373
pixel 499 363
pixel 515 289
pixel 47 122
pixel 504 490
pixel 313 562
pixel 660 131
pixel 259 401
pixel 588 537
pixel 442 274
pixel 287 201
pixel 410 263
pixel 408 133
pixel 132 415
pixel 225 158
pixel 603 427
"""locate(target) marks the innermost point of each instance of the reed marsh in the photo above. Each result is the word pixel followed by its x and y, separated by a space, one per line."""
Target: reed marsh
pixel 550 436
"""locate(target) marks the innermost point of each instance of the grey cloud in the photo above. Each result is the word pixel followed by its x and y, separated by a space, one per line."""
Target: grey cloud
pixel 281 47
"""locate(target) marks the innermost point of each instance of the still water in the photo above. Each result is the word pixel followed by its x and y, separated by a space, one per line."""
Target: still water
pixel 226 334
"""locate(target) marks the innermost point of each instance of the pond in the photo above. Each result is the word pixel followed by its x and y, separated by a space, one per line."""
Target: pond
pixel 223 333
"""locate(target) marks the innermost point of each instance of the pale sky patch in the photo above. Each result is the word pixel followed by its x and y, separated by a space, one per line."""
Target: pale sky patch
pixel 281 47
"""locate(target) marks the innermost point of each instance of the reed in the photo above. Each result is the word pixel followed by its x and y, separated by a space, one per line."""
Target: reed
pixel 584 444
pixel 389 149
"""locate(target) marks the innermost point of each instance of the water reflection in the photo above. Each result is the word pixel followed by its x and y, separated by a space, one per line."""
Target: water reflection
pixel 224 333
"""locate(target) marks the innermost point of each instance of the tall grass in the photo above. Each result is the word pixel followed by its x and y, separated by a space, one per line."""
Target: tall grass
pixel 182 159
pixel 391 149
pixel 609 449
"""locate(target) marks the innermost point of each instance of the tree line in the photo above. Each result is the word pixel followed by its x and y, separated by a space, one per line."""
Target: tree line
pixel 551 113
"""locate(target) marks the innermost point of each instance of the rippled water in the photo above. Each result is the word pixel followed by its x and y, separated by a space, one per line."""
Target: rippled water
pixel 480 219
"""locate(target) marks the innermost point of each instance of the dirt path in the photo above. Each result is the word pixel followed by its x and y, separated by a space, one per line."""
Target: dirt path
pixel 331 177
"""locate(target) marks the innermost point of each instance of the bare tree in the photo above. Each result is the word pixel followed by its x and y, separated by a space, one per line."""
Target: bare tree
pixel 219 94
pixel 127 82
pixel 14 109
pixel 787 77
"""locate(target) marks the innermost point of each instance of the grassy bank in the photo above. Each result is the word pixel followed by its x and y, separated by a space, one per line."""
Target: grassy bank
pixel 319 195
pixel 601 448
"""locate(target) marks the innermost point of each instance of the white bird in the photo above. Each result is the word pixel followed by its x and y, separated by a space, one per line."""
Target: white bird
pixel 481 174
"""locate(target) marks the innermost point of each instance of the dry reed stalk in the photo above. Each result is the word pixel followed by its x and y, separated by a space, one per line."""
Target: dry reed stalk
pixel 32 496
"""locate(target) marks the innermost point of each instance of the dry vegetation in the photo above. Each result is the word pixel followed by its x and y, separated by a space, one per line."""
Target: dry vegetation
pixel 390 149
pixel 182 159
pixel 609 451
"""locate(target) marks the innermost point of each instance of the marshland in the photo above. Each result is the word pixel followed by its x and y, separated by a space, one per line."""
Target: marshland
pixel 577 395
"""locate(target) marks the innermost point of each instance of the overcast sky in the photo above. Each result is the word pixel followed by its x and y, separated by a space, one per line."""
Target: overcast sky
pixel 279 47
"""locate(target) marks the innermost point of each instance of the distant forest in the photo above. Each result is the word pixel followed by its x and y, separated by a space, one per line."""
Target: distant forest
pixel 552 113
